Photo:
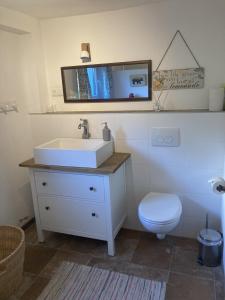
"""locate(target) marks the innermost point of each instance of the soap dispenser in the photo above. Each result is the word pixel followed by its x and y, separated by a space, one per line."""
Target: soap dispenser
pixel 106 132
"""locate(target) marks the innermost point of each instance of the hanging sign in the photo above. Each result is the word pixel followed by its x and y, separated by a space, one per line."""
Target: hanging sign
pixel 192 78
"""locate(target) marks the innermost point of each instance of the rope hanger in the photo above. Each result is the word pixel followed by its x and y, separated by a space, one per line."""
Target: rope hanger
pixel 158 106
pixel 170 44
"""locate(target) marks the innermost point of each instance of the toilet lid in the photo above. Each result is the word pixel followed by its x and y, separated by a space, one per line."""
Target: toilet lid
pixel 160 208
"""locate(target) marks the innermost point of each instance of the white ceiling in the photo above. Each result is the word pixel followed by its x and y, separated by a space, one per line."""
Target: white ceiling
pixel 61 8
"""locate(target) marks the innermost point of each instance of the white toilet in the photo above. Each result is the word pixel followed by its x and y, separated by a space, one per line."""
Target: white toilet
pixel 160 213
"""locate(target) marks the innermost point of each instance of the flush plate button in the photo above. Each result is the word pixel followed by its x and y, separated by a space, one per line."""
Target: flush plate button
pixel 165 137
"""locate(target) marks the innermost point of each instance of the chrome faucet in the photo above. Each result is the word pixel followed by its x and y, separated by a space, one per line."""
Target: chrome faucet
pixel 86 134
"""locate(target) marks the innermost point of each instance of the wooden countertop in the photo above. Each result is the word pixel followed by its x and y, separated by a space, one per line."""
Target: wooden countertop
pixel 108 167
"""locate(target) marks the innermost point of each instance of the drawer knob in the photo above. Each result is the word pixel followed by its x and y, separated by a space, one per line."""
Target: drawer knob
pixel 44 183
pixel 91 188
pixel 47 207
pixel 93 214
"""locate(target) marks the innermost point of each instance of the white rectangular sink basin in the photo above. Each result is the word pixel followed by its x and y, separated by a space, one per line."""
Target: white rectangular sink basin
pixel 69 152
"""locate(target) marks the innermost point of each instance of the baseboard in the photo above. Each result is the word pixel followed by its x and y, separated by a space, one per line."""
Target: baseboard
pixel 28 224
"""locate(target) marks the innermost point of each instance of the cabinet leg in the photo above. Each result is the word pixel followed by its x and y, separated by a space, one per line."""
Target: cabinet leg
pixel 41 236
pixel 111 248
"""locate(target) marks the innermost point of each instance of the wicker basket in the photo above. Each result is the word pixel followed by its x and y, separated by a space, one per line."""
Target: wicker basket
pixel 12 247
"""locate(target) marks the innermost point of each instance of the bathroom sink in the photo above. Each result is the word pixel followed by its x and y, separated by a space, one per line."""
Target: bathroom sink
pixel 70 152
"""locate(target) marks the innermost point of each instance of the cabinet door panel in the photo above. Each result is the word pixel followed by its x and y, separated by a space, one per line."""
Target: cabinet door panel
pixel 71 185
pixel 72 216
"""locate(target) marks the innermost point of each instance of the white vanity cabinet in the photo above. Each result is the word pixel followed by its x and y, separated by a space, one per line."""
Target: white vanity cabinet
pixel 83 204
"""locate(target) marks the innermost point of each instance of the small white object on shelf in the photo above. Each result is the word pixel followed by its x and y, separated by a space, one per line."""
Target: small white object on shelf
pixel 216 99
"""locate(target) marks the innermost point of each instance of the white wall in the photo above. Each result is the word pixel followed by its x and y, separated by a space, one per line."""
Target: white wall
pixel 15 134
pixel 141 33
pixel 34 73
pixel 23 81
pixel 184 170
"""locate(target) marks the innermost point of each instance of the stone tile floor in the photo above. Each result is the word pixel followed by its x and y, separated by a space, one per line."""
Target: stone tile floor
pixel 172 260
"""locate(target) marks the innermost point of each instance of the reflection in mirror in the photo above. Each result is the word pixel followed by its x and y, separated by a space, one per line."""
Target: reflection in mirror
pixel 129 81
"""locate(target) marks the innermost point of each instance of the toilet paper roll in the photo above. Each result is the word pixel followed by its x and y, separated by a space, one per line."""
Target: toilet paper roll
pixel 215 182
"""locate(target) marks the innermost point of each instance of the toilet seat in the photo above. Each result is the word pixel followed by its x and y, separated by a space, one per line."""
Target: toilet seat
pixel 159 223
pixel 160 208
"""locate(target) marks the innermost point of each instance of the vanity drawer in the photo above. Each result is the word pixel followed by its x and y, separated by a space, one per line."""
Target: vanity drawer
pixel 73 216
pixel 70 185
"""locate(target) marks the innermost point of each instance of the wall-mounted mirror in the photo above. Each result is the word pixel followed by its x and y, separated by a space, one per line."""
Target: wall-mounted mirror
pixel 124 81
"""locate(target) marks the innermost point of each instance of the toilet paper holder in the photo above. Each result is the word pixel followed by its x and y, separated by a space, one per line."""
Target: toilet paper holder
pixel 218 185
pixel 220 188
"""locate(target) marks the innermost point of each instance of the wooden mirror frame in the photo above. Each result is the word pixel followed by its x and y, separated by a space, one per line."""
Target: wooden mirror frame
pixel 149 98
